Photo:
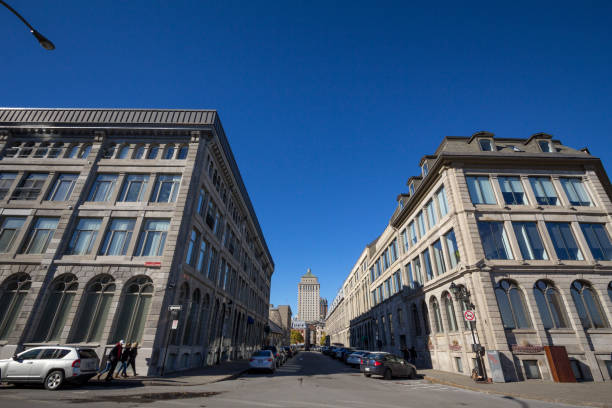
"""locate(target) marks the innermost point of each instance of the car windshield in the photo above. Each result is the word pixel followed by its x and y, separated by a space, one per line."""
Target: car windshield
pixel 87 353
pixel 262 353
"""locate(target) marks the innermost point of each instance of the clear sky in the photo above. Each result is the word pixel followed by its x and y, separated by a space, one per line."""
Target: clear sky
pixel 329 105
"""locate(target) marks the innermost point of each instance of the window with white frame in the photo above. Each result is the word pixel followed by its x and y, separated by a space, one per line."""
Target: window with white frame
pixel 545 146
pixel 563 241
pixel 439 257
pixel 118 236
pixel 428 267
pixel 134 188
pixel 40 235
pixel 480 190
pixel 544 191
pixel 512 190
pixel 6 181
pixel 166 188
pixel 431 214
pixel 442 202
pixel 598 240
pixel 84 236
pixel 62 188
pixel 486 145
pixel 405 240
pixel 575 191
pixel 421 223
pixel 153 237
pixel 529 240
pixel 9 230
pixel 102 189
pixel 494 240
pixel 453 250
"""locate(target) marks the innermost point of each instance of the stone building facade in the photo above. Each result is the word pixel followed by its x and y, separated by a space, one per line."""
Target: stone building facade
pixel 281 316
pixel 108 217
pixel 522 225
pixel 308 298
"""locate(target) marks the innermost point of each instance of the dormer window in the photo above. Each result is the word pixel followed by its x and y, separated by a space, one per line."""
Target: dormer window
pixel 425 169
pixel 545 146
pixel 486 145
pixel 411 189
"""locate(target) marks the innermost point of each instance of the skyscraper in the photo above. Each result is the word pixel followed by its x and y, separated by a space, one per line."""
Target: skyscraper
pixel 308 298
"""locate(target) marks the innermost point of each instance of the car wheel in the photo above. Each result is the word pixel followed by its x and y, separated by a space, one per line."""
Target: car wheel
pixel 388 375
pixel 367 375
pixel 54 380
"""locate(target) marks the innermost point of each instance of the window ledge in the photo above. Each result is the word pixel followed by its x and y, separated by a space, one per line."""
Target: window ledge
pixel 522 331
pixel 561 331
pixel 606 330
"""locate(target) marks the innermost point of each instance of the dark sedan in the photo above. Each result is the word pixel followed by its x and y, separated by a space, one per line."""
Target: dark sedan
pixel 388 366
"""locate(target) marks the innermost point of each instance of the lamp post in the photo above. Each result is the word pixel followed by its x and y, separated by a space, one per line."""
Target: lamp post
pixel 43 41
pixel 461 293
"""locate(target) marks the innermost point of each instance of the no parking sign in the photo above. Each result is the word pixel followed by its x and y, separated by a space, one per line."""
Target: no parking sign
pixel 469 315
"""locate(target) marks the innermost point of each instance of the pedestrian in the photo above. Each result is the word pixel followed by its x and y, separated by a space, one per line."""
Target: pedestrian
pixel 413 355
pixel 406 354
pixel 133 354
pixel 114 356
pixel 108 365
pixel 125 358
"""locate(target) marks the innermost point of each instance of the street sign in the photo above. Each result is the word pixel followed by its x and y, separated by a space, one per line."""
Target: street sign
pixel 174 324
pixel 469 315
pixel 174 308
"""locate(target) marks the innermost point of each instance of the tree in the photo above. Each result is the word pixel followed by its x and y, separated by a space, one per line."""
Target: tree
pixel 296 337
pixel 323 338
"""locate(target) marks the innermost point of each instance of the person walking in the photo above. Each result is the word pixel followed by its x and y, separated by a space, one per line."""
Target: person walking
pixel 133 354
pixel 125 358
pixel 114 356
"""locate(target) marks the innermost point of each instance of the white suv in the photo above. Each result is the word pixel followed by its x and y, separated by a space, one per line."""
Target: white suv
pixel 50 365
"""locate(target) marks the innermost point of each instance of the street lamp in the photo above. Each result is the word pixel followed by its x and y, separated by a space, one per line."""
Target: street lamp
pixel 44 41
pixel 461 293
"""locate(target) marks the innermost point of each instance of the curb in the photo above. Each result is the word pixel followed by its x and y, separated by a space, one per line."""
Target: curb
pixel 171 383
pixel 522 396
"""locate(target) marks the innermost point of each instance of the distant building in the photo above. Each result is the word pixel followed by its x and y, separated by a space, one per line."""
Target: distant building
pixel 322 308
pixel 281 316
pixel 308 298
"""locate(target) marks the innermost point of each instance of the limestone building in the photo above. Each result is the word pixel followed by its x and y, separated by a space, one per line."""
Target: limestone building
pixel 322 309
pixel 521 226
pixel 109 216
pixel 308 298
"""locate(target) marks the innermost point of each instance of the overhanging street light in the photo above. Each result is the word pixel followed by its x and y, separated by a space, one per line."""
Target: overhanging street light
pixel 44 41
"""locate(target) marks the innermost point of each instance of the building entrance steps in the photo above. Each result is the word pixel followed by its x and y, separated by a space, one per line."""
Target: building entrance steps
pixel 595 394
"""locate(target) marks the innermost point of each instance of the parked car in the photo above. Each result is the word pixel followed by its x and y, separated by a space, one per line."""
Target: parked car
pixel 262 360
pixel 354 359
pixel 363 361
pixel 388 366
pixel 345 353
pixel 277 356
pixel 52 366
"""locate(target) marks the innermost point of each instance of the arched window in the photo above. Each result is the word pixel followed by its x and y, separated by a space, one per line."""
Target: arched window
pixel 109 152
pixel 449 307
pixel 94 309
pixel 139 152
pixel 202 321
pixel 84 152
pixel 134 310
pixel 182 153
pixel 192 318
pixel 550 305
pixel 588 306
pixel 425 312
pixel 512 305
pixel 168 152
pixel 57 309
pixel 12 294
pixel 123 152
pixel 152 153
pixel 183 300
pixel 435 307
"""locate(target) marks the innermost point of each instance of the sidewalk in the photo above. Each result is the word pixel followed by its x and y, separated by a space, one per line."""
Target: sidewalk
pixel 198 376
pixel 595 394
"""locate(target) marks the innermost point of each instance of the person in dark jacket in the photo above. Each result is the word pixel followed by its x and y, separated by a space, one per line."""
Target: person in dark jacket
pixel 133 354
pixel 114 356
pixel 125 358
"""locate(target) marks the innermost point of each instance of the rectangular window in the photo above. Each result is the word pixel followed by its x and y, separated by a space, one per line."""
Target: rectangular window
pixel 153 238
pixel 431 214
pixel 388 292
pixel 30 187
pixel 413 234
pixel 512 190
pixel 372 277
pixel 374 297
pixel 428 267
pixel 379 293
pixel 40 235
pixel 529 240
pixel 103 187
pixel 6 181
pixel 563 240
pixel 212 262
pixel 459 364
pixel 134 188
pixel 397 281
pixel 421 223
pixel 418 271
pixel 202 256
pixel 385 258
pixel 166 188
pixel 544 190
pixel 439 257
pixel 192 247
pixel 494 240
pixel 598 240
pixel 405 241
pixel 545 146
pixel 532 371
pixel 453 250
pixel 480 190
pixel 442 202
pixel 393 249
pixel 425 169
pixel 411 279
pixel 486 145
pixel 118 237
pixel 202 203
pixel 62 188
pixel 378 270
pixel 84 236
pixel 8 231
pixel 575 191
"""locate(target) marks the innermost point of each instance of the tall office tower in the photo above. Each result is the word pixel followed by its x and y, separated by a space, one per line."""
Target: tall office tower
pixel 308 298
pixel 322 308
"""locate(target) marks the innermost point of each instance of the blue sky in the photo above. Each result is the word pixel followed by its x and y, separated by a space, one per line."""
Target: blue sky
pixel 328 106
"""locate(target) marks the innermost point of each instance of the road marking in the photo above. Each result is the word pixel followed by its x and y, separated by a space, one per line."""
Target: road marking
pixel 369 404
pixel 250 402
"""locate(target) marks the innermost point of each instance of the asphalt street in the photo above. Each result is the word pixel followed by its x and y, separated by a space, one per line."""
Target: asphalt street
pixel 309 380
